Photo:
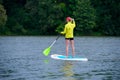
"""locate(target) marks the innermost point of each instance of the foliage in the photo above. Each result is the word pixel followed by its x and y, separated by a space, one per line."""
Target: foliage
pixel 44 17
pixel 1 1
pixel 3 18
pixel 108 17
pixel 85 16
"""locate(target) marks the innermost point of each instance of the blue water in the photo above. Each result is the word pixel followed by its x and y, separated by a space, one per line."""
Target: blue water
pixel 21 58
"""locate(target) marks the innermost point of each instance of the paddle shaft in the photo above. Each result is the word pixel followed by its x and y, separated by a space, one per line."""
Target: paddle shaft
pixel 55 41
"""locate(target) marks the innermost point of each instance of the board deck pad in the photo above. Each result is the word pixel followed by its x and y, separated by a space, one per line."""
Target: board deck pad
pixel 62 57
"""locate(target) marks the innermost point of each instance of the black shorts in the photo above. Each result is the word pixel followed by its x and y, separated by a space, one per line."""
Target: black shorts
pixel 69 38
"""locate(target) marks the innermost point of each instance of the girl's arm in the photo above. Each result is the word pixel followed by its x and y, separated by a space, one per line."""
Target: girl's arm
pixel 63 32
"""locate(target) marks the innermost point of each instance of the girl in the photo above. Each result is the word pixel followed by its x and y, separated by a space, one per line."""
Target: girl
pixel 68 31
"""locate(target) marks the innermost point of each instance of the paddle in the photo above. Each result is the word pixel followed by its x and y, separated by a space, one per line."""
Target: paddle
pixel 47 50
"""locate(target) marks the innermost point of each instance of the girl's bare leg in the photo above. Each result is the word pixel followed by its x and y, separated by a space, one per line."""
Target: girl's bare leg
pixel 73 48
pixel 67 46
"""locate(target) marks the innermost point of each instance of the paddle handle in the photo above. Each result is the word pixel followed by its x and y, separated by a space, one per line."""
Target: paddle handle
pixel 55 41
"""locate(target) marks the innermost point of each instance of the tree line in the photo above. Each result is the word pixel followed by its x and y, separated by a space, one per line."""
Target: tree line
pixel 47 17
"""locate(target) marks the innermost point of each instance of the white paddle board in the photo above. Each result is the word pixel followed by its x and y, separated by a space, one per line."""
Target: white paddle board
pixel 62 57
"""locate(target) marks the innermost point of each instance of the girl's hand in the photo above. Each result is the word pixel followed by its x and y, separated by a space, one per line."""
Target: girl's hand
pixel 72 19
pixel 61 32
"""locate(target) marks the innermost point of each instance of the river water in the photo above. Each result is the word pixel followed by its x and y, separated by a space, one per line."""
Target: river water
pixel 21 58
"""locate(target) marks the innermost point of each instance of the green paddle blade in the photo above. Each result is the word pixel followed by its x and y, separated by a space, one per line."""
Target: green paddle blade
pixel 47 51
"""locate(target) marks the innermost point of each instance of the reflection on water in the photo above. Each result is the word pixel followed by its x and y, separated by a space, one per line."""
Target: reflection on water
pixel 46 61
pixel 68 71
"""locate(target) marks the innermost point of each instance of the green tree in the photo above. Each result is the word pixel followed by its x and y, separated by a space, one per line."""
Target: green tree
pixel 46 15
pixel 85 16
pixel 16 17
pixel 108 17
pixel 3 18
pixel 1 1
pixel 42 17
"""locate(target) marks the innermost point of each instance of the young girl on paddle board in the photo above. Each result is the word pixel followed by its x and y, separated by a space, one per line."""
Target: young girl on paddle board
pixel 69 37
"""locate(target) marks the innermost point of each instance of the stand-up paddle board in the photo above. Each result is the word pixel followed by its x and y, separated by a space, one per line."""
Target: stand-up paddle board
pixel 62 57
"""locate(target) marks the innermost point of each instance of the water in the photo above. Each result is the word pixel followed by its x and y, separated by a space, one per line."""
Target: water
pixel 21 59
